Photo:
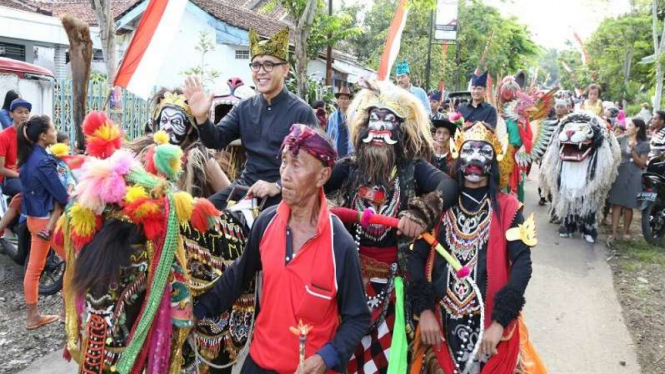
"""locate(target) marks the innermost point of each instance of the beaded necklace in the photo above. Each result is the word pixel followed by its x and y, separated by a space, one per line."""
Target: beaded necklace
pixel 466 233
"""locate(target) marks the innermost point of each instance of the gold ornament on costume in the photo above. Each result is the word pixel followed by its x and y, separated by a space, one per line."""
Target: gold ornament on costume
pixel 172 100
pixel 526 232
pixel 479 132
pixel 277 46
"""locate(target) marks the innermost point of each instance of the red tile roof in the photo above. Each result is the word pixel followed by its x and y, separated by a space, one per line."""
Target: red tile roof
pixel 83 10
pixel 26 5
pixel 240 17
pixel 78 8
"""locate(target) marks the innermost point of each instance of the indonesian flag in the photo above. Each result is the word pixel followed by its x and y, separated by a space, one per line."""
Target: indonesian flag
pixel 391 50
pixel 147 50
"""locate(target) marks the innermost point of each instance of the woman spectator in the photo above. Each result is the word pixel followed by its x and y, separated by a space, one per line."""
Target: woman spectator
pixel 623 195
pixel 41 190
pixel 5 116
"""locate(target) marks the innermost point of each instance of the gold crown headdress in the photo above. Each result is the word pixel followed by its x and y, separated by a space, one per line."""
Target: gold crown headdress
pixel 277 45
pixel 173 100
pixel 479 132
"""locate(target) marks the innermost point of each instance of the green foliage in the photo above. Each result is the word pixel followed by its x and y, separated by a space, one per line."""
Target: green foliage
pixel 579 75
pixel 510 50
pixel 615 43
pixel 204 45
pixel 330 30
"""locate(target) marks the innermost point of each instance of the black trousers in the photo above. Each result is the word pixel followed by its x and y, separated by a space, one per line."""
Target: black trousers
pixel 250 367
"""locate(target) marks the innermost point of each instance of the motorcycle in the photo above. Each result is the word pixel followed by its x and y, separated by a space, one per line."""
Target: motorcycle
pixel 18 249
pixel 652 201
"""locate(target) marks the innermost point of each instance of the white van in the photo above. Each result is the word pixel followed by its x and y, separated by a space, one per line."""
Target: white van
pixel 34 84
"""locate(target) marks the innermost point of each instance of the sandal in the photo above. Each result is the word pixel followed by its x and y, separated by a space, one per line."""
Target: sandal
pixel 45 235
pixel 43 321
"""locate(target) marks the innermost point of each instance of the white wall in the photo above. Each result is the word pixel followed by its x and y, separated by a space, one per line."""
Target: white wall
pixel 38 92
pixel 183 55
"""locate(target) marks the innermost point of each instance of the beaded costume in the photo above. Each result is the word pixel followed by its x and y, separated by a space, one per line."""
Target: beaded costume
pixel 388 173
pixel 486 233
pixel 209 253
pixel 128 304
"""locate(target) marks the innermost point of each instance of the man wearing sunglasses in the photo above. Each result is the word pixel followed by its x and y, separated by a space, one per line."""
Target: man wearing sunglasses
pixel 261 122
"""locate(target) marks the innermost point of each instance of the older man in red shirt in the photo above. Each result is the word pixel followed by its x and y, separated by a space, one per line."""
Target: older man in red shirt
pixel 311 270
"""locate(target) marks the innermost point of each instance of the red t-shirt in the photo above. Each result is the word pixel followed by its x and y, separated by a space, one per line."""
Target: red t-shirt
pixel 8 148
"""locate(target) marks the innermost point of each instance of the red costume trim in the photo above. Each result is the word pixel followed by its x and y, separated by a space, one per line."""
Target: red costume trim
pixel 498 273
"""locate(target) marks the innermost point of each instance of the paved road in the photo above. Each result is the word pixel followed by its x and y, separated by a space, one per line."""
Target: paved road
pixel 572 310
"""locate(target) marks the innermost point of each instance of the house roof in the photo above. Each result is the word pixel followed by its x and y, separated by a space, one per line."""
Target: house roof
pixel 77 8
pixel 240 16
pixel 83 10
pixel 26 5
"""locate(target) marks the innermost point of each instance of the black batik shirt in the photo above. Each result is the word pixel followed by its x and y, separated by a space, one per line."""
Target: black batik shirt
pixel 262 127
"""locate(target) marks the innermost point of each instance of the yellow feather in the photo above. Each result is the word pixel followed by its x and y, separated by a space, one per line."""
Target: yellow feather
pixel 134 193
pixel 59 149
pixel 83 220
pixel 161 137
pixel 184 206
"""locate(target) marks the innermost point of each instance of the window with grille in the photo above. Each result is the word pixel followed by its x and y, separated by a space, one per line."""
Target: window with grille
pixel 242 54
pixel 13 51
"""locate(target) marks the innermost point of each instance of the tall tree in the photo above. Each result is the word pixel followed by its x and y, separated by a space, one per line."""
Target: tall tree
pixel 658 54
pixel 302 12
pixel 102 9
pixel 510 50
pixel 615 49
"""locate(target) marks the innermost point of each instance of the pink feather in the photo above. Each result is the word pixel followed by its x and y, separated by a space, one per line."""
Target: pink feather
pixel 463 272
pixel 122 162
pixel 366 218
pixel 113 188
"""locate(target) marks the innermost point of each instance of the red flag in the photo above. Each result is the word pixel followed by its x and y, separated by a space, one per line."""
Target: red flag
pixel 391 49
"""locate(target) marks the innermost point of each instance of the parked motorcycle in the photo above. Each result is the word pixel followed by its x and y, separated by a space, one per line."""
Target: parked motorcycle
pixel 652 201
pixel 18 249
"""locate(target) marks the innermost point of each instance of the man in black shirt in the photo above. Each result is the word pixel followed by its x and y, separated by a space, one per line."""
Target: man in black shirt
pixel 261 122
pixel 478 109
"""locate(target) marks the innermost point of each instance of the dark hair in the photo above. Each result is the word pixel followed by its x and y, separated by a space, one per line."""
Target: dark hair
pixel 594 86
pixel 28 134
pixel 319 104
pixel 100 261
pixel 10 96
pixel 641 128
pixel 62 137
pixel 661 114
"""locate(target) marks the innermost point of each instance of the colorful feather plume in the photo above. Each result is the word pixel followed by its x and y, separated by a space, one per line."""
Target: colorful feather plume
pixel 84 224
pixel 184 206
pixel 168 160
pixel 102 181
pixel 59 150
pixel 204 215
pixel 149 213
pixel 103 137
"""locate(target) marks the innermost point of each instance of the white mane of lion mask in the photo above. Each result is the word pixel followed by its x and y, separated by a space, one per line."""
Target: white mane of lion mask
pixel 580 165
